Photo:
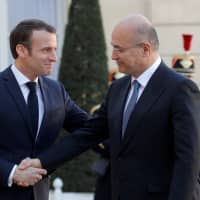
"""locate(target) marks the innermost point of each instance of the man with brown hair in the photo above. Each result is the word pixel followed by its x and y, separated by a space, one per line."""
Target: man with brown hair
pixel 33 109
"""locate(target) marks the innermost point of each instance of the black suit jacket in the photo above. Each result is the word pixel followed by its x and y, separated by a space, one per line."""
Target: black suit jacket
pixel 16 141
pixel 158 157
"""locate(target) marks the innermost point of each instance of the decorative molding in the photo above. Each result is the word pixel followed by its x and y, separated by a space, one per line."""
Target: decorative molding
pixel 172 24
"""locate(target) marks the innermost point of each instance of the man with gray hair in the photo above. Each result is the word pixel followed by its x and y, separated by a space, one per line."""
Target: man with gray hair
pixel 151 117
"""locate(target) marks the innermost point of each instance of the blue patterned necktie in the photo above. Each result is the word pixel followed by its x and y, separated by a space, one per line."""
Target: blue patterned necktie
pixel 33 107
pixel 130 106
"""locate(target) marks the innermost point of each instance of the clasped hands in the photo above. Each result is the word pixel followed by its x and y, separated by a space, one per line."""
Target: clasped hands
pixel 28 172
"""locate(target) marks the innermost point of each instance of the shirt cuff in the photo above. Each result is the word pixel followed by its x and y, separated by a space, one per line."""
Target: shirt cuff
pixel 10 178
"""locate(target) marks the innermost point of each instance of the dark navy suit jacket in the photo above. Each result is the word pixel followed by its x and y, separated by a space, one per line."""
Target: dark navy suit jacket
pixel 158 158
pixel 16 141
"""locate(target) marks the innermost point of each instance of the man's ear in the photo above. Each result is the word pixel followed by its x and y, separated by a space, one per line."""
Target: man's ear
pixel 146 49
pixel 22 51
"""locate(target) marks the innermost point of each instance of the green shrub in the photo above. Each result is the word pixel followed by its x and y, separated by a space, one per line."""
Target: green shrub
pixel 84 73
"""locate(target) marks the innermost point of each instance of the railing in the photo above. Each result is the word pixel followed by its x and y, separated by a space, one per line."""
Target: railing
pixel 58 194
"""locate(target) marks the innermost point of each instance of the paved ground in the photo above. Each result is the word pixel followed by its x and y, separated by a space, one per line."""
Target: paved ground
pixel 73 196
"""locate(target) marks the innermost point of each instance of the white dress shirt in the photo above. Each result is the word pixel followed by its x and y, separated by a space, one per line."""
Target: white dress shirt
pixel 143 79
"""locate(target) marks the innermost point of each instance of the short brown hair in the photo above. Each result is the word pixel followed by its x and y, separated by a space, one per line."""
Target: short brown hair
pixel 21 34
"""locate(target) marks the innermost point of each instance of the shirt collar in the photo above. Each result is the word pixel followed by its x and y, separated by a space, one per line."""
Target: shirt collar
pixel 20 77
pixel 144 78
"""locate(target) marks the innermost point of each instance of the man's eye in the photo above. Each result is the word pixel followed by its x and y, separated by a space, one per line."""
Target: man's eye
pixel 118 49
pixel 45 50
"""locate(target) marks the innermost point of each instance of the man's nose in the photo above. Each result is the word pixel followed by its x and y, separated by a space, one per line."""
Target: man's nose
pixel 53 56
pixel 114 55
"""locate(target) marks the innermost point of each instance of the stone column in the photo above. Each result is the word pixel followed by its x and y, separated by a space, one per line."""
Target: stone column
pixel 4 44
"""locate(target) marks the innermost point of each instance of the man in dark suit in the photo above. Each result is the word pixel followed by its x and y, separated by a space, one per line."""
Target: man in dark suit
pixel 31 118
pixel 101 168
pixel 152 119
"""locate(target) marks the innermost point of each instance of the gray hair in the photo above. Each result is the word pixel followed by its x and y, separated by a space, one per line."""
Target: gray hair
pixel 147 32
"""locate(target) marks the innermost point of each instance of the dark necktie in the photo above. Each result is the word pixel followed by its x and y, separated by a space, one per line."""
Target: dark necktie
pixel 130 106
pixel 33 106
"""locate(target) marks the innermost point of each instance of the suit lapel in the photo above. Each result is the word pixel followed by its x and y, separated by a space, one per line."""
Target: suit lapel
pixel 16 94
pixel 150 95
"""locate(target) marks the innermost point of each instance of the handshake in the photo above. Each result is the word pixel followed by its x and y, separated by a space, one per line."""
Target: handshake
pixel 28 172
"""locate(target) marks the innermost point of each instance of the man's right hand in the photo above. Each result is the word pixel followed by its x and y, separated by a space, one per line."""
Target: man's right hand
pixel 29 176
pixel 28 162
